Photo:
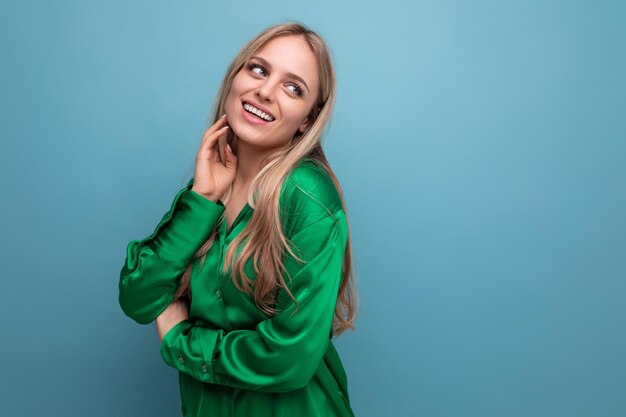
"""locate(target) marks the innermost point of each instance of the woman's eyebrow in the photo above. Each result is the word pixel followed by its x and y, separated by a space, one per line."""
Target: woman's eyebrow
pixel 289 74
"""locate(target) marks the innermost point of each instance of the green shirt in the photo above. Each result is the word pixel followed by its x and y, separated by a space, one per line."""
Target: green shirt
pixel 232 359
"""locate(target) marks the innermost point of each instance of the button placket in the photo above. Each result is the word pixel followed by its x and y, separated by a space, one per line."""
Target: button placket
pixel 218 292
pixel 221 276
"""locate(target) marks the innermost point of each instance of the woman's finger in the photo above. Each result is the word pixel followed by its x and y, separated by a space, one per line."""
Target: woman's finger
pixel 221 123
pixel 214 127
pixel 216 155
pixel 211 140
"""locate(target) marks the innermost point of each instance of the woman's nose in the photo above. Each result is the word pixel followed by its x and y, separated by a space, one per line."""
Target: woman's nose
pixel 265 92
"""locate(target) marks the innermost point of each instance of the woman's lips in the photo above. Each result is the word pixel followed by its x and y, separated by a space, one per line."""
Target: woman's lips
pixel 251 118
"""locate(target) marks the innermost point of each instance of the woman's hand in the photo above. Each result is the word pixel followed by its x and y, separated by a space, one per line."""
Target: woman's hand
pixel 212 177
pixel 171 316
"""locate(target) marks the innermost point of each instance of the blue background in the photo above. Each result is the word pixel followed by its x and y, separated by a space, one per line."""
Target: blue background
pixel 481 147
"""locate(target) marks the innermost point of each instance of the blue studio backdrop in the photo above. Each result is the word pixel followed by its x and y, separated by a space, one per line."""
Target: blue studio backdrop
pixel 482 151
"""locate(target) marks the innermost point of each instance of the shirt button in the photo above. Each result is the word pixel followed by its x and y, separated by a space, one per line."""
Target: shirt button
pixel 218 293
pixel 204 368
pixel 181 360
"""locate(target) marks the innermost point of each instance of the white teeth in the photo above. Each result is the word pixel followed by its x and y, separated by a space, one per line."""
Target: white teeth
pixel 251 109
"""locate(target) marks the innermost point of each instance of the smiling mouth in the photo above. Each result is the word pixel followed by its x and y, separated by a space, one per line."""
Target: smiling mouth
pixel 257 113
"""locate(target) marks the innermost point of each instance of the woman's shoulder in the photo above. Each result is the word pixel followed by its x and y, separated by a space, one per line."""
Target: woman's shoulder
pixel 309 181
pixel 309 193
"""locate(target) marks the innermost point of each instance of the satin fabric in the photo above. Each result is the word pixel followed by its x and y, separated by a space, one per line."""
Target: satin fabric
pixel 232 359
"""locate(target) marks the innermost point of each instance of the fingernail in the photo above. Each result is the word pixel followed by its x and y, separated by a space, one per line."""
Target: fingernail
pixel 228 146
pixel 222 115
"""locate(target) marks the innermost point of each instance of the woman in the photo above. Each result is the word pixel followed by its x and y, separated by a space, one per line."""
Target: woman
pixel 248 275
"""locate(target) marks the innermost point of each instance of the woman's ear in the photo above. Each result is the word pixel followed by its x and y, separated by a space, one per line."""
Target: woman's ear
pixel 304 126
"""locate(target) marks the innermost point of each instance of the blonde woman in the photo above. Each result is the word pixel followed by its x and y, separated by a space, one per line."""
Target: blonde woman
pixel 249 274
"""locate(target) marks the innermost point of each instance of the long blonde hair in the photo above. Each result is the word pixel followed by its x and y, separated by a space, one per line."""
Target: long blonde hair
pixel 263 235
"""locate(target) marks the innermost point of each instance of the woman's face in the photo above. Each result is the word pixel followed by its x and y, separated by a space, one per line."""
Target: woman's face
pixel 280 80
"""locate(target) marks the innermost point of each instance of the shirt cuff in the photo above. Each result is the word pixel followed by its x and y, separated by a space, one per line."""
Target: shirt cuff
pixel 190 349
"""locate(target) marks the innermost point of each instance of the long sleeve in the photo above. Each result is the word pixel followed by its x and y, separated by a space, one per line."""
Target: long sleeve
pixel 154 265
pixel 281 353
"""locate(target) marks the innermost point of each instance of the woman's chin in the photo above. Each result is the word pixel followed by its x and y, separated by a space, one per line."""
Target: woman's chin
pixel 248 134
pixel 245 139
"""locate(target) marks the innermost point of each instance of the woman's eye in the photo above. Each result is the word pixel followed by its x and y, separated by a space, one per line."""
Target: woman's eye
pixel 296 90
pixel 257 69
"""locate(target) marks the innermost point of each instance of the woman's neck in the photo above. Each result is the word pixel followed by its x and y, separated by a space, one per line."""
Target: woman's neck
pixel 249 159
